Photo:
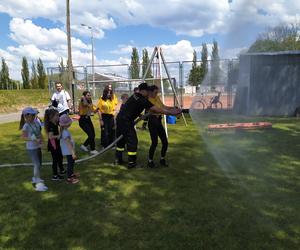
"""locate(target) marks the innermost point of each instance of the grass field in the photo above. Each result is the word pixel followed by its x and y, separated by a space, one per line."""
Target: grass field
pixel 211 196
pixel 15 100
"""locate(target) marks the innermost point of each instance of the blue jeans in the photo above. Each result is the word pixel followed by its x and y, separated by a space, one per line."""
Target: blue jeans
pixel 36 158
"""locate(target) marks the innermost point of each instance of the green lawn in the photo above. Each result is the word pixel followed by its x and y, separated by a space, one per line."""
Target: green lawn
pixel 222 191
pixel 15 100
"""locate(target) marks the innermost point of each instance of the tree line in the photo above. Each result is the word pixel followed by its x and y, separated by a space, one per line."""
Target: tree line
pixel 197 72
pixel 200 69
pixel 135 70
pixel 36 79
pixel 280 38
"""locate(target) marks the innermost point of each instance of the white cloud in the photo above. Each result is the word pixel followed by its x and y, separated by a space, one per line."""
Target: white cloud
pixel 25 32
pixel 32 52
pixel 29 9
pixel 189 17
pixel 123 49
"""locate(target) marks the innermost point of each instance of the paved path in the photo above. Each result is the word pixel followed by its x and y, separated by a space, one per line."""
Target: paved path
pixel 12 117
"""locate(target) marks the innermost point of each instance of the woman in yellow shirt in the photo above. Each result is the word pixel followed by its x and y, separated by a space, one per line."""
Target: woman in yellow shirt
pixel 106 111
pixel 86 108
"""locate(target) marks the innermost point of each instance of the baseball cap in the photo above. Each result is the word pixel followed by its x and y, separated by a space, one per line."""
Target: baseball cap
pixel 65 120
pixel 29 111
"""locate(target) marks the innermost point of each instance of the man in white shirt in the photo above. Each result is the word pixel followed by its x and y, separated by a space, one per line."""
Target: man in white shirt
pixel 61 99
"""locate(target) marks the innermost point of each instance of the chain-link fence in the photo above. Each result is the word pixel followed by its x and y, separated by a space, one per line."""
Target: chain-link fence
pixel 221 77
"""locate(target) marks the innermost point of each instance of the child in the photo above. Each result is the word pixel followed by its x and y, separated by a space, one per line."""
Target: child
pixel 51 126
pixel 68 147
pixel 124 98
pixel 31 132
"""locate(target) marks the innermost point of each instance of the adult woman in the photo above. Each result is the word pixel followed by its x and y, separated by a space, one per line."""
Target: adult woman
pixel 114 98
pixel 156 128
pixel 106 111
pixel 86 108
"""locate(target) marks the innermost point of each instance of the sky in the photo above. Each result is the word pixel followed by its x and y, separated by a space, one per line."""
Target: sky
pixel 36 29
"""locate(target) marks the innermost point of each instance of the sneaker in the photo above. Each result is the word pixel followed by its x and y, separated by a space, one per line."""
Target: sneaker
pixel 57 177
pixel 72 180
pixel 163 163
pixel 62 171
pixel 94 152
pixel 41 187
pixel 75 175
pixel 84 148
pixel 151 164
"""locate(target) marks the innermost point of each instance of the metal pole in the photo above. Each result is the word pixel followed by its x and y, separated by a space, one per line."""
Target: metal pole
pixel 93 57
pixel 162 89
pixel 86 78
pixel 181 73
pixel 70 65
pixel 170 80
pixel 93 63
pixel 150 62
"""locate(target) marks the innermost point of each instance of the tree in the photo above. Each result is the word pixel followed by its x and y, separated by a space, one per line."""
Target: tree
pixel 62 69
pixel 279 38
pixel 34 77
pixel 145 63
pixel 135 64
pixel 195 76
pixel 215 65
pixel 25 73
pixel 63 73
pixel 4 75
pixel 41 75
pixel 204 57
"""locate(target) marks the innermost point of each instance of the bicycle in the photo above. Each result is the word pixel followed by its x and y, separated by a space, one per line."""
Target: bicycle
pixel 202 103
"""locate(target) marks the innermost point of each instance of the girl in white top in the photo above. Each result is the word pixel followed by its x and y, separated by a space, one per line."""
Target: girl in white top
pixel 31 133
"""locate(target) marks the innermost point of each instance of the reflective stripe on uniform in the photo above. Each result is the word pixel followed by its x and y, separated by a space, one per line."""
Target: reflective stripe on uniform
pixel 131 153
pixel 120 149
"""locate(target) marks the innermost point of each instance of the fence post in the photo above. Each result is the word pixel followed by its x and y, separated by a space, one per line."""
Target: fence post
pixel 129 77
pixel 181 82
pixel 86 78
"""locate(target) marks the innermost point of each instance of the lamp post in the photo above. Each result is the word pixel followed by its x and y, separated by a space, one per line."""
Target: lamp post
pixel 93 70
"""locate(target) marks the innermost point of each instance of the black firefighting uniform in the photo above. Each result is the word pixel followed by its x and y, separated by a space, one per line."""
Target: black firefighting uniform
pixel 125 126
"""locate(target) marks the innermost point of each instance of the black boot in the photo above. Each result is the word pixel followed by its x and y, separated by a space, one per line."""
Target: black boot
pixel 163 162
pixel 119 158
pixel 151 164
pixel 131 161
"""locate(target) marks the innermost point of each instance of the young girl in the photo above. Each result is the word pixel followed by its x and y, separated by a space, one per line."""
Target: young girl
pixel 51 120
pixel 68 147
pixel 31 132
pixel 124 98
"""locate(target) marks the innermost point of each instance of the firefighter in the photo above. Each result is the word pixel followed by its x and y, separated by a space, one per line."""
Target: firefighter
pixel 125 123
